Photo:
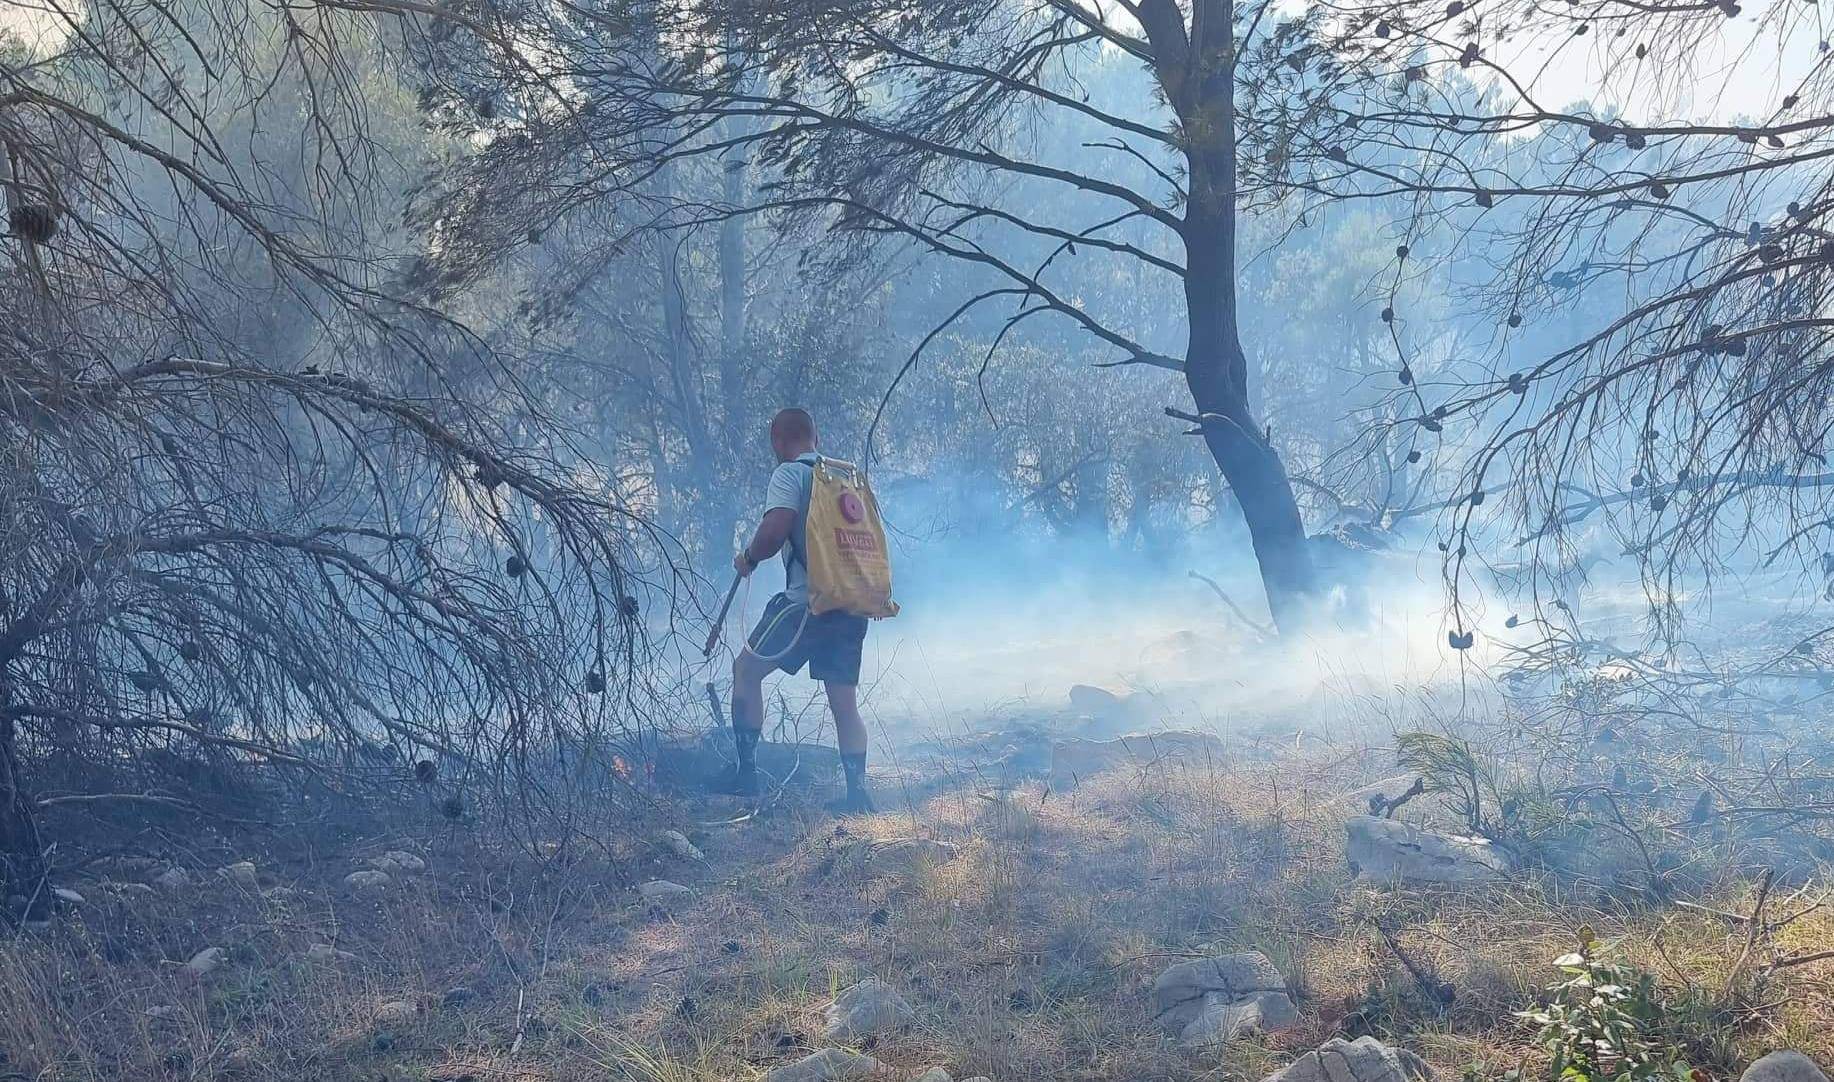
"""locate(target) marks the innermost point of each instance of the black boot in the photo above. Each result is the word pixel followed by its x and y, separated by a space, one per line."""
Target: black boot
pixel 857 800
pixel 741 779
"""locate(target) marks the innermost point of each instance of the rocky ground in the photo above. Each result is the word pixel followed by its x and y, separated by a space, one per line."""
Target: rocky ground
pixel 1164 908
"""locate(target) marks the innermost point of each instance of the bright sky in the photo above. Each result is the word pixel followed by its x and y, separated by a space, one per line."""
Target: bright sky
pixel 1745 72
pixel 31 20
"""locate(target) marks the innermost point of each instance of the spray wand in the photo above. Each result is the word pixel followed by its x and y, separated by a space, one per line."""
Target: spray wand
pixel 713 640
pixel 719 622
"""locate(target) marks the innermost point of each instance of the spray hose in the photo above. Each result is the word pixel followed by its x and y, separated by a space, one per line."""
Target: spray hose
pixel 719 624
pixel 745 621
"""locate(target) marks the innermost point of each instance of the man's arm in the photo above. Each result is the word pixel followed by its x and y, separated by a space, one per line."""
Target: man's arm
pixel 772 532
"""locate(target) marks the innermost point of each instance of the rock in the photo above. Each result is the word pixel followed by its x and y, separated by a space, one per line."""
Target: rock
pixel 325 954
pixel 897 856
pixel 676 842
pixel 829 1065
pixel 1213 1000
pixel 398 862
pixel 1388 849
pixel 934 1074
pixel 1105 704
pixel 1073 760
pixel 870 1008
pixel 366 881
pixel 396 1012
pixel 666 896
pixel 207 960
pixel 66 896
pixel 242 872
pixel 164 1013
pixel 172 879
pixel 1362 1060
pixel 1783 1066
pixel 457 996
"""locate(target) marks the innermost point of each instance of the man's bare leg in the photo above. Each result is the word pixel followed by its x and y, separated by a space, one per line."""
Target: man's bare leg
pixel 748 673
pixel 850 734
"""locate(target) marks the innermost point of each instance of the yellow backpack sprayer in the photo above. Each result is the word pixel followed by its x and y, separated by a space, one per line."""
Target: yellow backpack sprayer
pixel 843 543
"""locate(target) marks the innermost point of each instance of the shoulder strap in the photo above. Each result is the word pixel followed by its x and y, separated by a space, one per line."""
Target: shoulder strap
pixel 797 544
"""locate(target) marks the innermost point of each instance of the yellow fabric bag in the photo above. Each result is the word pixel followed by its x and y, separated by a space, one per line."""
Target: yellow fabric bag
pixel 849 565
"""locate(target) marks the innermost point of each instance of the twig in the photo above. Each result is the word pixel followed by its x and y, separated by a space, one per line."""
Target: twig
pixel 1441 992
pixel 1754 927
pixel 1263 631
pixel 1799 960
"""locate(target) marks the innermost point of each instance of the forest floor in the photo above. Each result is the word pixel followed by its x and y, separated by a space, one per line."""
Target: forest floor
pixel 1028 954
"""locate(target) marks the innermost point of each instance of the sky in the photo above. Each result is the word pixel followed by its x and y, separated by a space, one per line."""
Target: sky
pixel 1744 72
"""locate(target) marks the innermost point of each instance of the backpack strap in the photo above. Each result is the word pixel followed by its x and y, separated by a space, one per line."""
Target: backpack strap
pixel 798 545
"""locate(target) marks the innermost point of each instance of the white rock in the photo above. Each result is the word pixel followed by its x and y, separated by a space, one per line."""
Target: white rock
pixel 242 872
pixel 172 879
pixel 325 954
pixel 829 1065
pixel 666 896
pixel 676 842
pixel 1783 1066
pixel 1103 704
pixel 934 1074
pixel 366 881
pixel 1210 1001
pixel 1073 760
pixel 1362 1060
pixel 870 1008
pixel 66 896
pixel 1389 849
pixel 395 1012
pixel 207 960
pixel 398 862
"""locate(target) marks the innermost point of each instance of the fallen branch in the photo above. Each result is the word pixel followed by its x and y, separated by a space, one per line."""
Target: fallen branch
pixel 1441 992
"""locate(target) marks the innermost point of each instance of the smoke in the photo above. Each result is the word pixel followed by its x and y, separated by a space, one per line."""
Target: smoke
pixel 999 627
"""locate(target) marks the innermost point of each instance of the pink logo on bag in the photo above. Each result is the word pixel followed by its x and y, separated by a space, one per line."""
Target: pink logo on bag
pixel 851 508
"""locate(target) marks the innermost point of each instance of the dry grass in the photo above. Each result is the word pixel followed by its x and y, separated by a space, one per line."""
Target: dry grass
pixel 1029 957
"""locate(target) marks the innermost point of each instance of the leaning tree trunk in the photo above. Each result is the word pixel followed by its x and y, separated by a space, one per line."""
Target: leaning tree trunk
pixel 1202 88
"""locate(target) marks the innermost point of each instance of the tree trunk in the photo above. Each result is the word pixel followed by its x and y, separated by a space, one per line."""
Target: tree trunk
pixel 22 864
pixel 723 514
pixel 1215 366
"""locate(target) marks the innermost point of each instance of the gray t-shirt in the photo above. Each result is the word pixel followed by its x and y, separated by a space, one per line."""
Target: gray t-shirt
pixel 792 483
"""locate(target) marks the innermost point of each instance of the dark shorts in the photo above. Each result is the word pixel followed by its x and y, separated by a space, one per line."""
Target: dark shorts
pixel 829 644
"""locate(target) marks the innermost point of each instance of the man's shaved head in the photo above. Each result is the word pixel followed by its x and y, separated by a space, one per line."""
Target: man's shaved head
pixel 792 433
pixel 793 424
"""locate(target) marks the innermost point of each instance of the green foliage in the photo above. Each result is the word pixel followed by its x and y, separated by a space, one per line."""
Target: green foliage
pixel 1449 766
pixel 1604 1022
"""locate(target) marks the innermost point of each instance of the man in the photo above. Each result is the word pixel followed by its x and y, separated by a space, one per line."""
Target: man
pixel 787 636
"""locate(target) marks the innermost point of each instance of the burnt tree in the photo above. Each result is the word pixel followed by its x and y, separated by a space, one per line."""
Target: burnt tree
pixel 871 123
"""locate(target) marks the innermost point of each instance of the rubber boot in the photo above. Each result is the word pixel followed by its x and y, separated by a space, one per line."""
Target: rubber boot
pixel 857 800
pixel 741 779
